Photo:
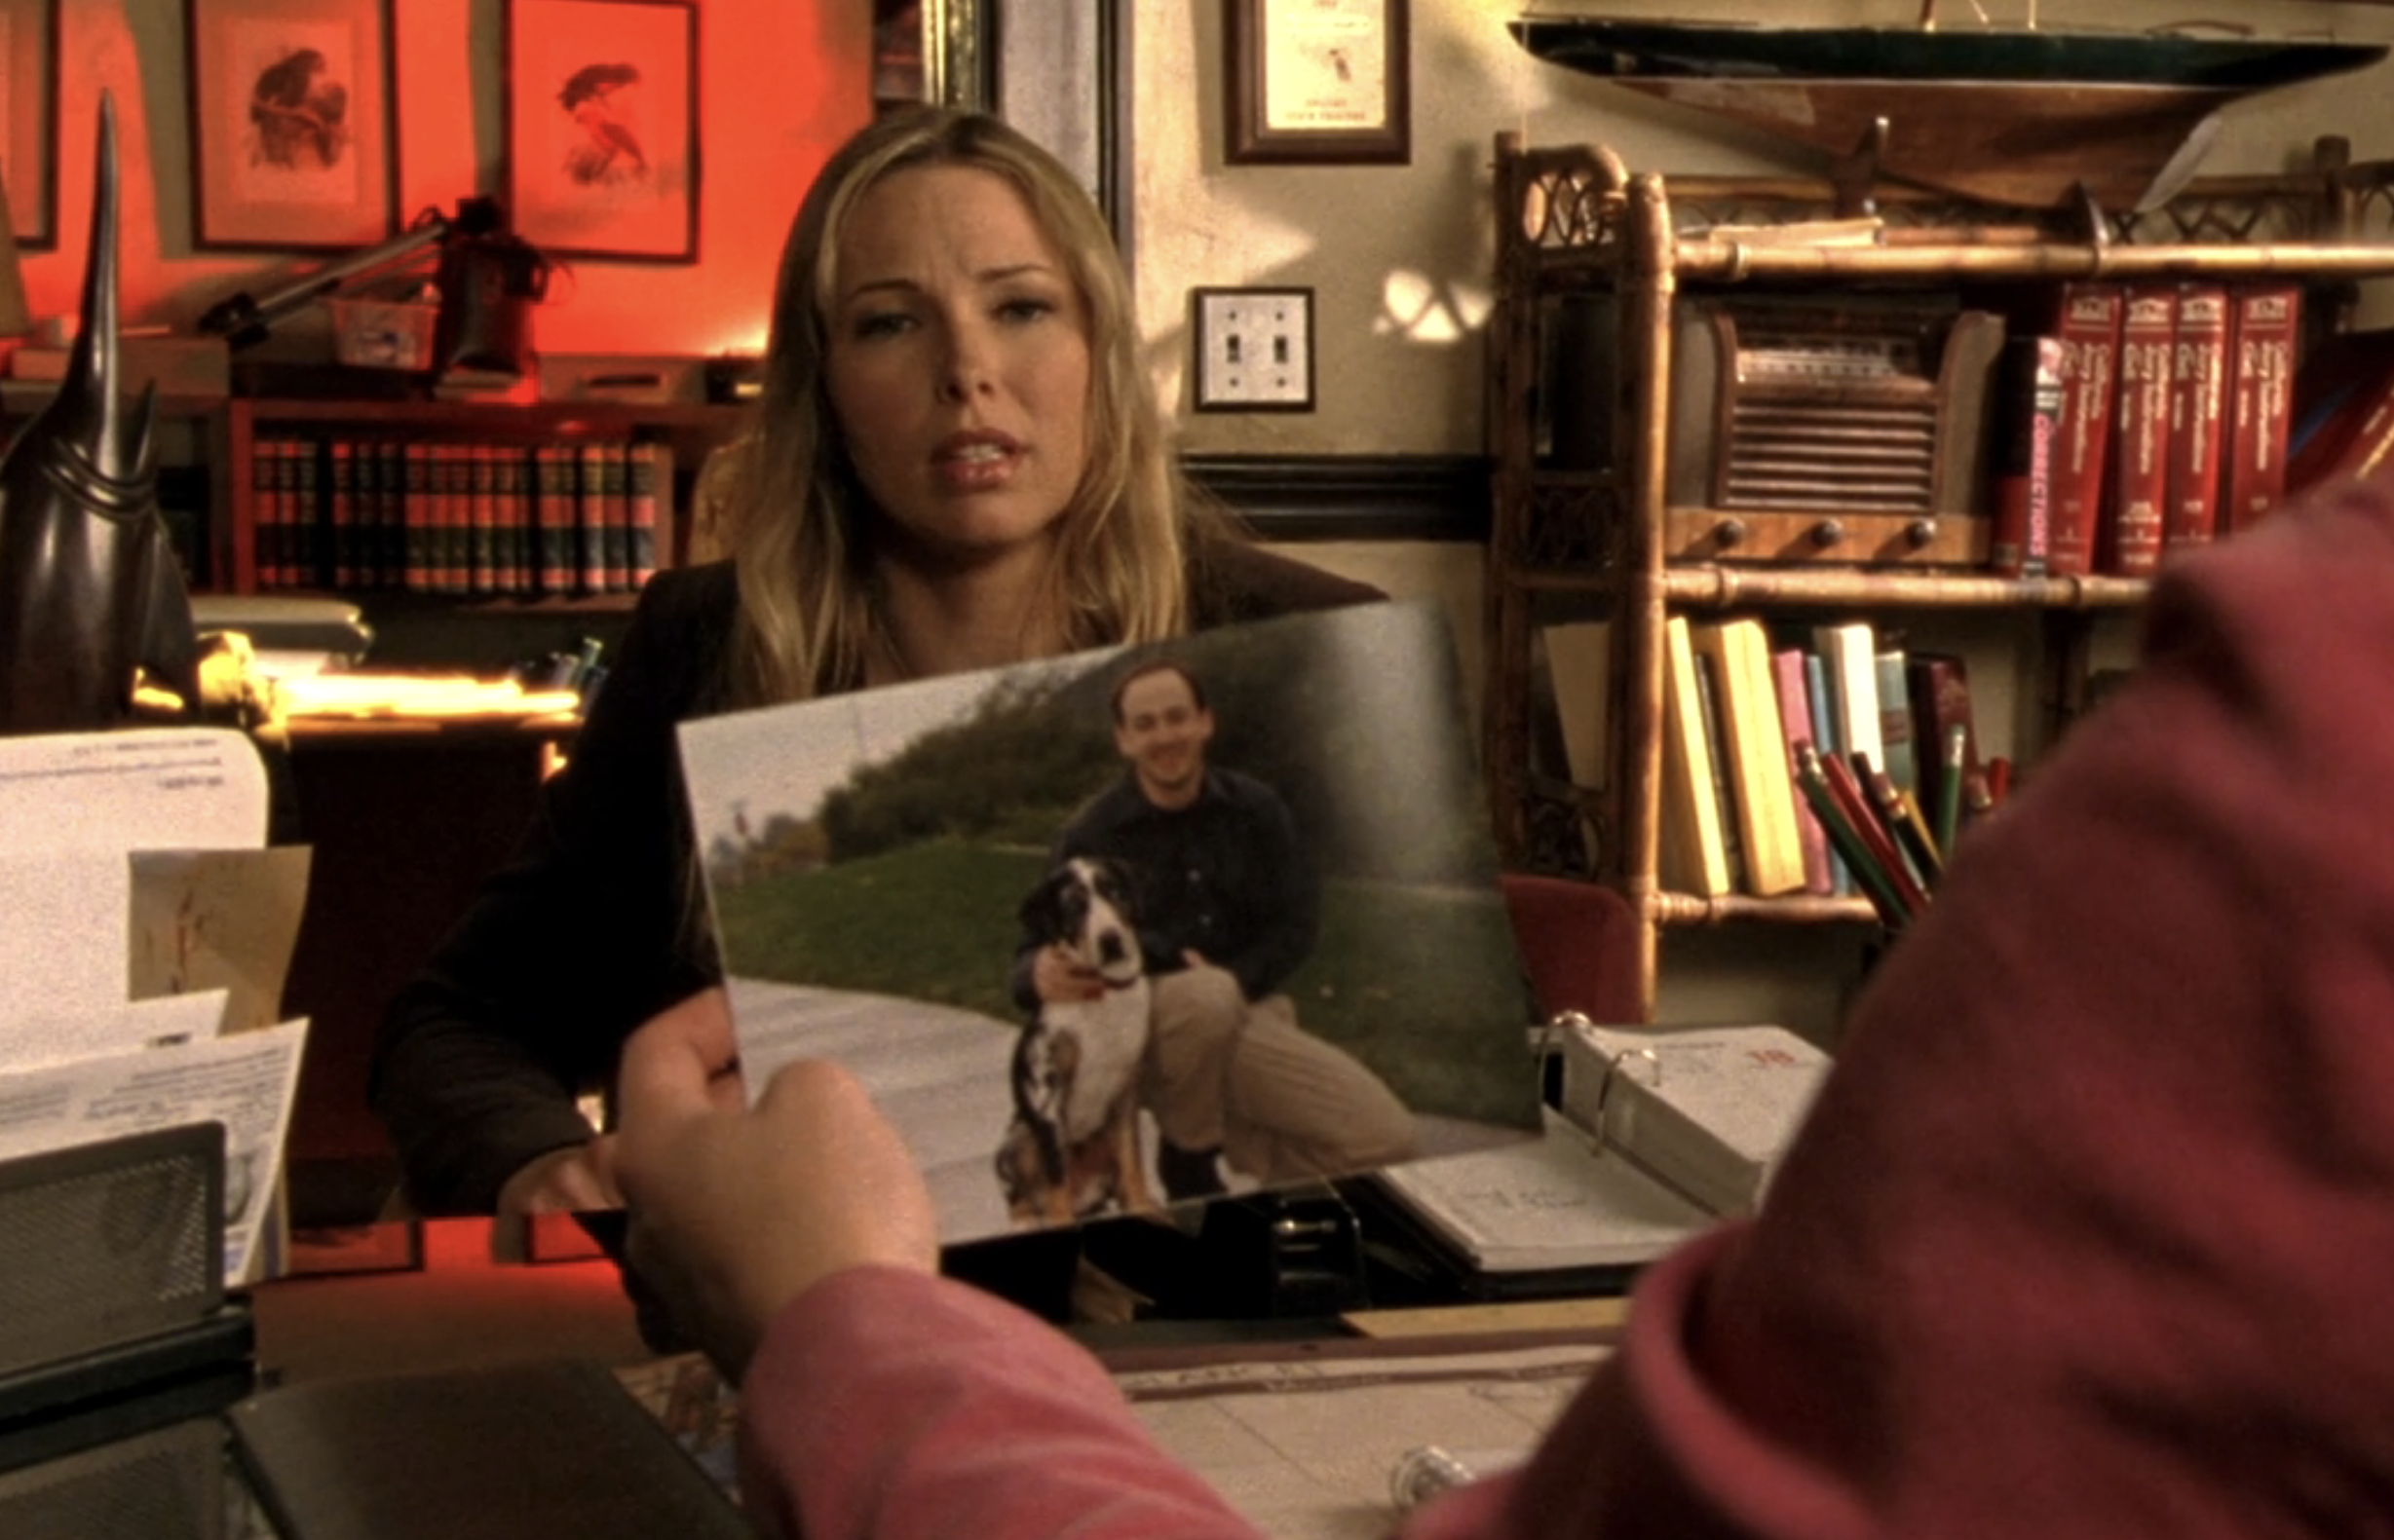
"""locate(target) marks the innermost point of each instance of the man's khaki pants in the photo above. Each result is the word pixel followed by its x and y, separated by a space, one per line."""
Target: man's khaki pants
pixel 1280 1103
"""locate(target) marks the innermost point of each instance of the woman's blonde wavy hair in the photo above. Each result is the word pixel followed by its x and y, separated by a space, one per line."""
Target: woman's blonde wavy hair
pixel 798 523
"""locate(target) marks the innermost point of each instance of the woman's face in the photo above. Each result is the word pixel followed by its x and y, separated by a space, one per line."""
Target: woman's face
pixel 959 364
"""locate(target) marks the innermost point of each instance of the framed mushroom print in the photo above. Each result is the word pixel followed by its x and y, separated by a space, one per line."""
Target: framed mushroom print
pixel 290 123
pixel 602 128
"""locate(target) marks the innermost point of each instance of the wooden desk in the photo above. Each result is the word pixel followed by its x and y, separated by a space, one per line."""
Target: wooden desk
pixel 406 819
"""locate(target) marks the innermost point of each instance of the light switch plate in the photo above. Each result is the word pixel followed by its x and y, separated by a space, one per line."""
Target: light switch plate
pixel 1254 350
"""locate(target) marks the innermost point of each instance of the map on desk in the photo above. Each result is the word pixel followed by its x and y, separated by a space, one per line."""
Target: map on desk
pixel 868 857
pixel 1321 1439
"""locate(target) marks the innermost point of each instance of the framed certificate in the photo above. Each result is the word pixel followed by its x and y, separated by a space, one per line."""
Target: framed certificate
pixel 1318 82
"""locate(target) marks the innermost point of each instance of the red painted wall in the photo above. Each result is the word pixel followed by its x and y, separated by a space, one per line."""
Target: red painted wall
pixel 781 83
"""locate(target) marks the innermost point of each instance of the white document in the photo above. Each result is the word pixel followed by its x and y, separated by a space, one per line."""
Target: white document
pixel 139 789
pixel 63 952
pixel 72 808
pixel 114 1027
pixel 82 1060
pixel 245 1082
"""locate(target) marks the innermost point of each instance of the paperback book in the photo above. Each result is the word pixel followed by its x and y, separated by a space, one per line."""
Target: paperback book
pixel 887 867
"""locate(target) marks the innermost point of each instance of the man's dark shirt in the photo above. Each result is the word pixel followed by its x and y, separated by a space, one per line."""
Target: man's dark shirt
pixel 1225 876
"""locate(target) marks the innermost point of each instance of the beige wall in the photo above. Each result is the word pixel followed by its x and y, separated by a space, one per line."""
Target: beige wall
pixel 1399 260
pixel 1399 256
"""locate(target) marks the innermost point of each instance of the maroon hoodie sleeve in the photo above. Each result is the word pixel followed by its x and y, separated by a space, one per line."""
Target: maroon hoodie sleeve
pixel 2090 1231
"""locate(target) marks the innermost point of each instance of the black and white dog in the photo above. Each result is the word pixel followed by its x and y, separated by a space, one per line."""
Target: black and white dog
pixel 1072 1146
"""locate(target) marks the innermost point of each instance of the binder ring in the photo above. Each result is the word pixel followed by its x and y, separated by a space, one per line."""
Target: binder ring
pixel 1603 1087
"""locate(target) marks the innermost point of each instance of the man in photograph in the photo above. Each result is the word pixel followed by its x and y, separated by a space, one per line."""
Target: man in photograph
pixel 1228 908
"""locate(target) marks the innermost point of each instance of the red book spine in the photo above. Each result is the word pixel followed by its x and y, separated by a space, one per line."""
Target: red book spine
pixel 485 569
pixel 614 518
pixel 2262 322
pixel 2198 368
pixel 2131 543
pixel 420 516
pixel 346 571
pixel 2021 541
pixel 590 517
pixel 377 498
pixel 286 512
pixel 2089 334
pixel 553 508
pixel 453 470
pixel 514 495
pixel 307 514
pixel 396 555
pixel 266 509
pixel 644 470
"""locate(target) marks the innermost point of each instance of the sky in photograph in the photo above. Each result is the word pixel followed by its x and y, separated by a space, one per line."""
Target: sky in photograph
pixel 785 759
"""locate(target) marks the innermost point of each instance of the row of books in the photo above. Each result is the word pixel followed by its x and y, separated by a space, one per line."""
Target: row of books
pixel 2147 417
pixel 568 517
pixel 1833 762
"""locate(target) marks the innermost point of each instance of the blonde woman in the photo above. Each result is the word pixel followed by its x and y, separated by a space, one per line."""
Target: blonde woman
pixel 956 462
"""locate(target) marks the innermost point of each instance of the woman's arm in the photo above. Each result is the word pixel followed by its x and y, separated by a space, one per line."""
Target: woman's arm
pixel 563 953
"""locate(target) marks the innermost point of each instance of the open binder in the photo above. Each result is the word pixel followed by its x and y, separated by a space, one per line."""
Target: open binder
pixel 1658 1136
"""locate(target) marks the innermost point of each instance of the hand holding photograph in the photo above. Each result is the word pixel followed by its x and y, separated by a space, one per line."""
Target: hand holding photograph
pixel 1132 928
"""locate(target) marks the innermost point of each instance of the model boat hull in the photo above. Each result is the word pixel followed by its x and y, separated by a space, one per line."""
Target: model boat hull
pixel 2016 118
pixel 2027 146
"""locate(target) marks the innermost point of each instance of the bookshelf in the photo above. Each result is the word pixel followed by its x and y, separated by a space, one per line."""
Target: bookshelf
pixel 1610 447
pixel 251 525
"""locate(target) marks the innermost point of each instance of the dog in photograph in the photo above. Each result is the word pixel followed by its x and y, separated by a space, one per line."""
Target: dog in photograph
pixel 1072 1146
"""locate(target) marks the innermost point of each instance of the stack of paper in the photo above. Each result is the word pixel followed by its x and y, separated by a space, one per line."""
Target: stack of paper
pixel 150 932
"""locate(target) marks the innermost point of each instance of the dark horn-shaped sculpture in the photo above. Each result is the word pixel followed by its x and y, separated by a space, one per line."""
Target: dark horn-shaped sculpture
pixel 89 589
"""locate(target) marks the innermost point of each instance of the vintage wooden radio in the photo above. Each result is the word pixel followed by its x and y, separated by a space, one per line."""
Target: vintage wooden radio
pixel 1807 431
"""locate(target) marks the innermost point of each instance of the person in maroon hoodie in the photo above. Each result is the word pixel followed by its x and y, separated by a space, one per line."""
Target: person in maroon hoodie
pixel 2089 1234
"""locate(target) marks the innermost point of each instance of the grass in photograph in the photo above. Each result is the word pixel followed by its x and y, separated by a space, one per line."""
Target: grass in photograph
pixel 1421 981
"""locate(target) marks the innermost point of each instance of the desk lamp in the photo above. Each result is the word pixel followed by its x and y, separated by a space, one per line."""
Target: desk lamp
pixel 244 321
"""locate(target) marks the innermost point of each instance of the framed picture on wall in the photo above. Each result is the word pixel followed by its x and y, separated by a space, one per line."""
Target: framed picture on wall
pixel 291 143
pixel 28 119
pixel 602 128
pixel 1318 82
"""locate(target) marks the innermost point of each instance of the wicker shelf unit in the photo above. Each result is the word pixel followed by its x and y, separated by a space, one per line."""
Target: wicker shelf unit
pixel 1599 275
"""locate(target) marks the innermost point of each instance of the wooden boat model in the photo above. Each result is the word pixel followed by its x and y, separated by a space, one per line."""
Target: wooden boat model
pixel 2025 118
